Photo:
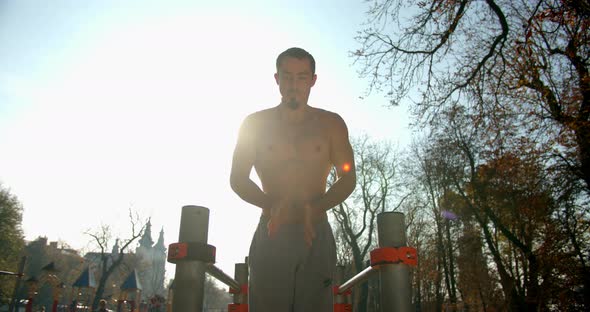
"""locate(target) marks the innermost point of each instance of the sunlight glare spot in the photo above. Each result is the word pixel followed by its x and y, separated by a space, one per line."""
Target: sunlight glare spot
pixel 346 167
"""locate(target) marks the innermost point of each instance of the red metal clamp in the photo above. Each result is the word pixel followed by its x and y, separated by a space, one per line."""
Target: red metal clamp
pixel 342 307
pixel 191 251
pixel 336 291
pixel 243 290
pixel 236 307
pixel 387 255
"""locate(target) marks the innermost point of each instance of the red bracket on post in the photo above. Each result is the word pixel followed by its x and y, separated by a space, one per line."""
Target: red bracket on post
pixel 388 255
pixel 236 307
pixel 336 291
pixel 243 290
pixel 191 251
pixel 342 307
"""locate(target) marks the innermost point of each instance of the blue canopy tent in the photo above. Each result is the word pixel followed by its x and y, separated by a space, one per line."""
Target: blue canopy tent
pixel 86 280
pixel 131 283
pixel 130 292
pixel 86 284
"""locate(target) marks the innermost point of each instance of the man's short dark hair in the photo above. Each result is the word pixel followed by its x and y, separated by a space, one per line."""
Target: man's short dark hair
pixel 297 53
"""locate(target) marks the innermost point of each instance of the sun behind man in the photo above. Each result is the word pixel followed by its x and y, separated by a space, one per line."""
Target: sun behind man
pixel 293 148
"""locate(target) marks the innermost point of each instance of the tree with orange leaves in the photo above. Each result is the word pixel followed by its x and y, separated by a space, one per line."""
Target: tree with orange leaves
pixel 496 58
pixel 509 199
pixel 520 71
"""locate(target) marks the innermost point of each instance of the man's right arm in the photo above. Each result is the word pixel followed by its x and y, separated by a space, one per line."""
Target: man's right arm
pixel 243 160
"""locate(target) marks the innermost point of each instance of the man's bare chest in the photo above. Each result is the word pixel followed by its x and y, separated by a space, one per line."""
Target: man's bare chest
pixel 309 142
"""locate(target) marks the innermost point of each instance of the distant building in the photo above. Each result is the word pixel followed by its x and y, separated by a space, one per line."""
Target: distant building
pixel 67 265
pixel 152 262
pixel 148 260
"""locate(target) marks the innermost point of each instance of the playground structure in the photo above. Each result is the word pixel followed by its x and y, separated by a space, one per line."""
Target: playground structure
pixel 194 258
pixel 83 288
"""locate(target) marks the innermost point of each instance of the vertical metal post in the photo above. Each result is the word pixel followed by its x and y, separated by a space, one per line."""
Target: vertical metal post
pixel 342 301
pixel 189 278
pixel 241 276
pixel 395 283
pixel 338 281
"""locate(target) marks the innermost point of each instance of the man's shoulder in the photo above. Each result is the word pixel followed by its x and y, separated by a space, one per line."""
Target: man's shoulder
pixel 261 115
pixel 328 116
pixel 255 121
pixel 265 112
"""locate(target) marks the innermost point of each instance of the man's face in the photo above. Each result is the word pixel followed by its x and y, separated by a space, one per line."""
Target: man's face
pixel 295 80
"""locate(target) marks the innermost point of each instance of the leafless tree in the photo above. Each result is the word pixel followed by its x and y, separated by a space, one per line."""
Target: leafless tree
pixel 109 262
pixel 520 71
pixel 496 58
pixel 379 189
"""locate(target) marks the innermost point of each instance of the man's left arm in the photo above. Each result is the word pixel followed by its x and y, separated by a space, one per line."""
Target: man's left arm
pixel 342 157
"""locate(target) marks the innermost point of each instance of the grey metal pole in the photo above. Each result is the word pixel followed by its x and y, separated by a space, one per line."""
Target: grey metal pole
pixel 342 298
pixel 241 276
pixel 358 279
pixel 189 278
pixel 221 276
pixel 338 280
pixel 395 282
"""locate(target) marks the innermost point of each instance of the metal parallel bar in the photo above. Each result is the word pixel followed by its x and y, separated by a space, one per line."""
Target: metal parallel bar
pixel 357 279
pixel 189 280
pixel 8 273
pixel 222 277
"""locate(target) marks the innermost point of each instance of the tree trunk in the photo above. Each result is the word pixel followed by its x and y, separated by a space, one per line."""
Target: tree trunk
pixel 443 267
pixel 583 140
pixel 418 277
pixel 453 283
pixel 99 291
pixel 532 286
pixel 514 301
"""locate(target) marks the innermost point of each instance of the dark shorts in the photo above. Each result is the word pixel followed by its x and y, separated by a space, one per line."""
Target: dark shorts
pixel 288 276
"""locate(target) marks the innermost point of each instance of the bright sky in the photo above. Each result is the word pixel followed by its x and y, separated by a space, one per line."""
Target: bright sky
pixel 107 105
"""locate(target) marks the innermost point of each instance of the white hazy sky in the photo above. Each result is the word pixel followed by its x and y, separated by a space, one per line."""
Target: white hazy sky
pixel 107 105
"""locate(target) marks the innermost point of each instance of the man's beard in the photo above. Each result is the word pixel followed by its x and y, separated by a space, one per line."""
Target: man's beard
pixel 292 104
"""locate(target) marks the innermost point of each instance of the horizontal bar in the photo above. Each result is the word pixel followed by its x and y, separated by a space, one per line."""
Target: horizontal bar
pixel 8 273
pixel 357 279
pixel 222 277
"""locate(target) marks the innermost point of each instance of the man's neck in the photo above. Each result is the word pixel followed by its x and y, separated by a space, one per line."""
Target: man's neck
pixel 293 116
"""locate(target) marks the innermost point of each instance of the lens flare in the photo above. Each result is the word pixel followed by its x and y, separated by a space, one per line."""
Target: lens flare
pixel 346 167
pixel 449 215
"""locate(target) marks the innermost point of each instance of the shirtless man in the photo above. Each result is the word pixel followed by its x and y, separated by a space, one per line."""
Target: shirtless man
pixel 293 148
